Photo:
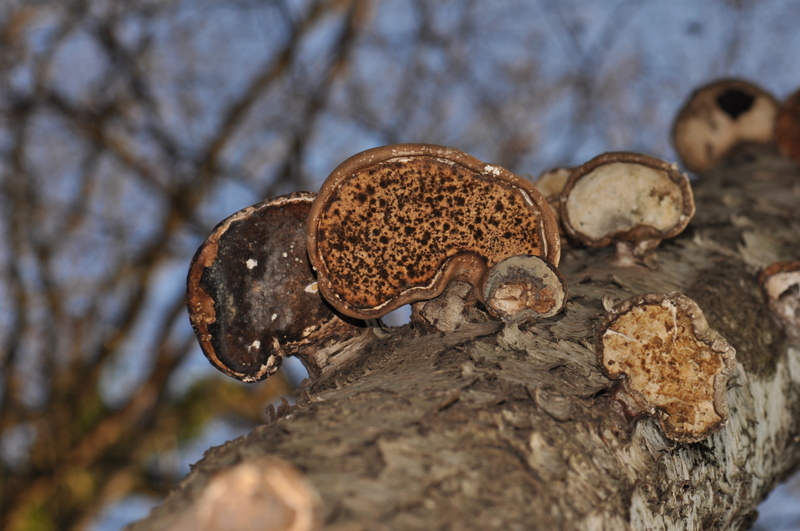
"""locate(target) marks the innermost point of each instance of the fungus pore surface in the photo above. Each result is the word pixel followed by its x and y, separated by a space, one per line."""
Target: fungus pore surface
pixel 624 196
pixel 650 199
pixel 389 223
pixel 671 363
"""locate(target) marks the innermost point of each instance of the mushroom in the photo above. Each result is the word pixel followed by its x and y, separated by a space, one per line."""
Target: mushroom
pixel 630 199
pixel 780 284
pixel 717 117
pixel 395 224
pixel 669 363
pixel 787 128
pixel 252 295
pixel 551 184
pixel 524 288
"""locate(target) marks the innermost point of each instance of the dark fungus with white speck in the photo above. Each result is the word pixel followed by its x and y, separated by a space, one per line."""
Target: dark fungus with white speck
pixel 251 292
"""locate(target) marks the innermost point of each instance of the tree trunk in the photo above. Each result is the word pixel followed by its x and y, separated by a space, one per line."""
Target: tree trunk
pixel 497 427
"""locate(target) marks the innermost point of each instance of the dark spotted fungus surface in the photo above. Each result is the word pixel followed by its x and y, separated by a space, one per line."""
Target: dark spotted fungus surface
pixel 251 289
pixel 387 229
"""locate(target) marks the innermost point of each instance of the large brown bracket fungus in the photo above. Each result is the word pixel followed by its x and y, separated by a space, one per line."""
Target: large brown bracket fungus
pixel 669 363
pixel 395 224
pixel 719 116
pixel 630 199
pixel 780 284
pixel 252 295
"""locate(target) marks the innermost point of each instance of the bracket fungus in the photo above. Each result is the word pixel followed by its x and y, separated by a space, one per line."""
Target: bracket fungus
pixel 631 199
pixel 669 363
pixel 524 288
pixel 395 224
pixel 552 182
pixel 780 284
pixel 251 292
pixel 719 116
pixel 787 128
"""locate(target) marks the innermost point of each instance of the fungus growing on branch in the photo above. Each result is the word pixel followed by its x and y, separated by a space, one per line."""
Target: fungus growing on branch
pixel 395 224
pixel 780 284
pixel 669 363
pixel 252 295
pixel 552 182
pixel 630 199
pixel 719 116
pixel 524 288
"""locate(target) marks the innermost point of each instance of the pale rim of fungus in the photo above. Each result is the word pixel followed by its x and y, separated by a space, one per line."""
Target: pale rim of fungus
pixel 467 265
pixel 639 345
pixel 615 220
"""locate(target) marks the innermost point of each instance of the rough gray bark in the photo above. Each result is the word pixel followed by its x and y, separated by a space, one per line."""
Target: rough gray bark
pixel 493 427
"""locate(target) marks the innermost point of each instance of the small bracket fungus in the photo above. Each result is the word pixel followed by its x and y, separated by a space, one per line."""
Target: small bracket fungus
pixel 787 128
pixel 780 284
pixel 719 116
pixel 524 288
pixel 551 182
pixel 670 364
pixel 395 224
pixel 631 199
pixel 252 294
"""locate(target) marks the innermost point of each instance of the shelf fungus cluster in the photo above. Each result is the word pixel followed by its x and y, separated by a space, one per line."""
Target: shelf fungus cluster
pixel 669 363
pixel 396 224
pixel 252 295
pixel 629 199
pixel 390 226
pixel 719 116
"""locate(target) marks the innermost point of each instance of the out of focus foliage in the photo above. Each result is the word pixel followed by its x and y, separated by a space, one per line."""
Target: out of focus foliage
pixel 129 129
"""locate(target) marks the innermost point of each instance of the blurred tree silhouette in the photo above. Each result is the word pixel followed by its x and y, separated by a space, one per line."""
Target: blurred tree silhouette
pixel 128 129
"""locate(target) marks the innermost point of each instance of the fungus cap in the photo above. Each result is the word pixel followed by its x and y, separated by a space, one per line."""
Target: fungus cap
pixel 780 284
pixel 670 364
pixel 524 288
pixel 551 182
pixel 717 117
pixel 393 225
pixel 622 196
pixel 251 292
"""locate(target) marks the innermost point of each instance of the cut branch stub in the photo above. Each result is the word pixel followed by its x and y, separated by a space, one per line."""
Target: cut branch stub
pixel 780 284
pixel 631 199
pixel 264 493
pixel 717 117
pixel 251 292
pixel 787 128
pixel 393 225
pixel 524 288
pixel 670 364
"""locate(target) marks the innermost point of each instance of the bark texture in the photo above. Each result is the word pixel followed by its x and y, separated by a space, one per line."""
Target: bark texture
pixel 498 427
